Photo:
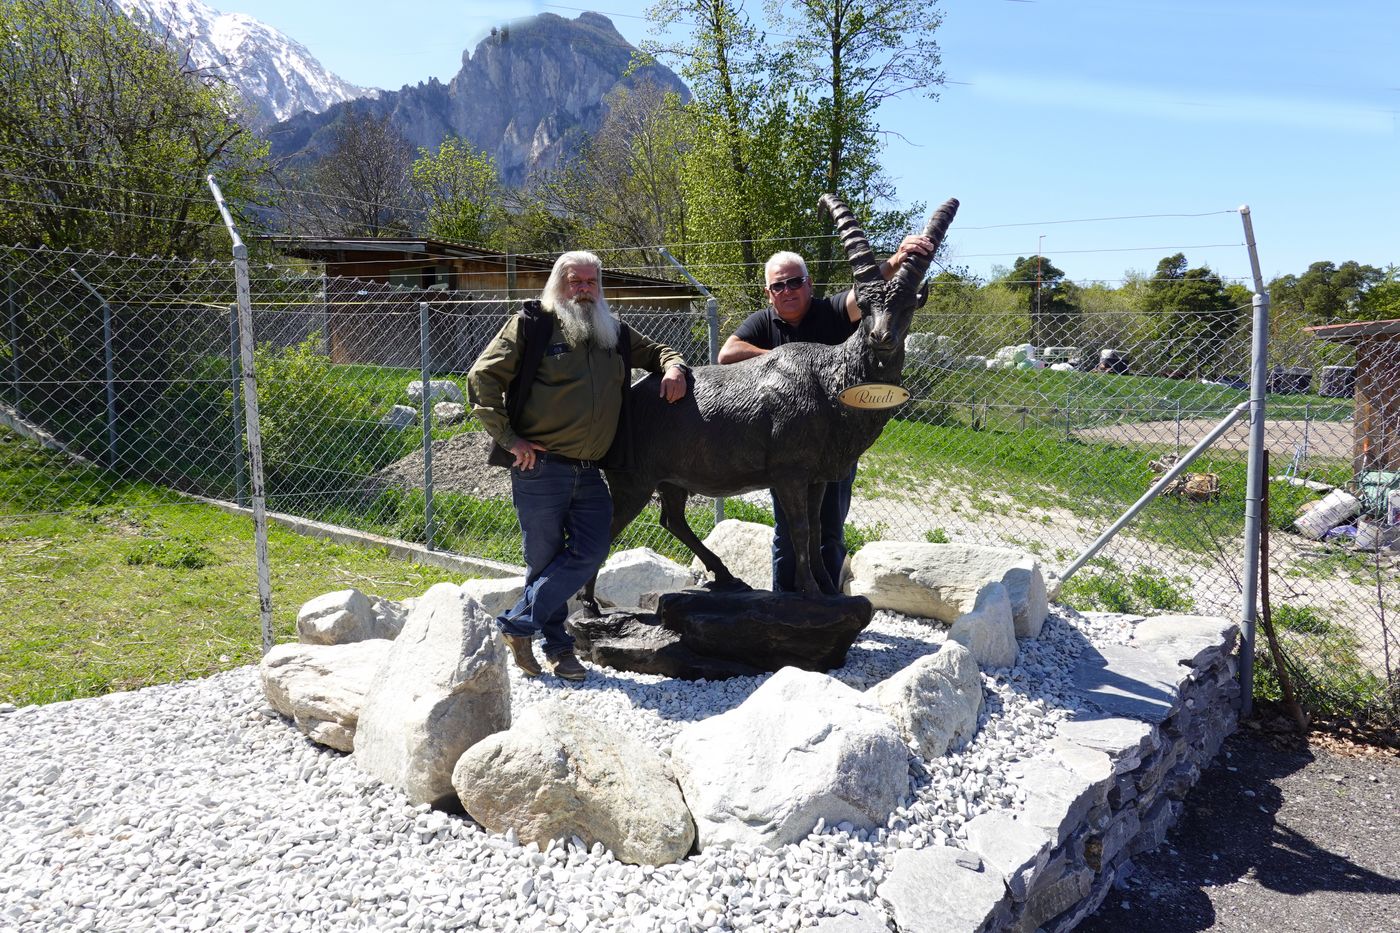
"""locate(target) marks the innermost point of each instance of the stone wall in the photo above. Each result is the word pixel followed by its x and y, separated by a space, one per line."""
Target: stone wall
pixel 1156 712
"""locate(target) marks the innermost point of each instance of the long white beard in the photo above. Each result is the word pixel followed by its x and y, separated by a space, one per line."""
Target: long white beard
pixel 586 320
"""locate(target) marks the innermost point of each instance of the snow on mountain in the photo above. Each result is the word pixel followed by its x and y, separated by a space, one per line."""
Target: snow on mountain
pixel 275 73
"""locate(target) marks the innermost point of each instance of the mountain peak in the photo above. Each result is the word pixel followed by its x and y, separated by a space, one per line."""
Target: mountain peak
pixel 275 74
pixel 528 94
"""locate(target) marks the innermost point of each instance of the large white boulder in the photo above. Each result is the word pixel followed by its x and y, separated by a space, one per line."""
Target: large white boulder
pixel 987 629
pixel 400 418
pixel 442 689
pixel 935 701
pixel 439 390
pixel 628 575
pixel 343 616
pixel 497 594
pixel 746 548
pixel 449 413
pixel 941 581
pixel 802 747
pixel 322 687
pixel 556 774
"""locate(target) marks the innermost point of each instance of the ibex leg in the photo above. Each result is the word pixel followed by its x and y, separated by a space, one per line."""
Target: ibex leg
pixel 793 498
pixel 816 495
pixel 673 499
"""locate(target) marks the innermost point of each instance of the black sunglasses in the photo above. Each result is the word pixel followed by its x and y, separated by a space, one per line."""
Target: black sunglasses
pixel 786 285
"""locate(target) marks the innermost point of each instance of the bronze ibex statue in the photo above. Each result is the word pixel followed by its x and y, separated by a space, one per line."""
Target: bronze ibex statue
pixel 774 421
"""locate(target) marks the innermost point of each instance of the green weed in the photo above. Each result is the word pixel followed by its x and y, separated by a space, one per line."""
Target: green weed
pixel 1142 590
pixel 178 553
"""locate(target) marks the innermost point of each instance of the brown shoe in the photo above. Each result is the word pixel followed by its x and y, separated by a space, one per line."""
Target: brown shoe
pixel 565 665
pixel 524 655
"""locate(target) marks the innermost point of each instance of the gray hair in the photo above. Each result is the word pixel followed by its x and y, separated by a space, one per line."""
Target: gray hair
pixel 580 320
pixel 555 291
pixel 782 259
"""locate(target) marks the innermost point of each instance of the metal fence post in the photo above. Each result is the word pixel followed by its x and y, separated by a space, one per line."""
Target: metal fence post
pixel 240 492
pixel 1178 427
pixel 108 368
pixel 1307 426
pixel 12 313
pixel 424 352
pixel 1258 383
pixel 250 408
pixel 325 327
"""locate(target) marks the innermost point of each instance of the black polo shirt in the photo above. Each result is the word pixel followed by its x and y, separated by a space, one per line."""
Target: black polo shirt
pixel 825 322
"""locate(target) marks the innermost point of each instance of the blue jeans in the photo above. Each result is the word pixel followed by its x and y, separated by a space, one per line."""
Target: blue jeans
pixel 565 515
pixel 836 503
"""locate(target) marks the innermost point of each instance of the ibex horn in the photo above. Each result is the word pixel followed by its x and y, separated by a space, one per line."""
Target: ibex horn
pixel 864 267
pixel 912 272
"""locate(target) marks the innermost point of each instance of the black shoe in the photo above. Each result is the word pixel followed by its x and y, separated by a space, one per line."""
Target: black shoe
pixel 566 665
pixel 524 655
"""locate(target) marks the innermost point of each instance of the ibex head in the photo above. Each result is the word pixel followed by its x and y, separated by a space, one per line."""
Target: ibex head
pixel 888 305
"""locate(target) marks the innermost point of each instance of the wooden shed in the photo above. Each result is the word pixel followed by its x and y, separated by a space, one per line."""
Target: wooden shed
pixel 461 267
pixel 1377 432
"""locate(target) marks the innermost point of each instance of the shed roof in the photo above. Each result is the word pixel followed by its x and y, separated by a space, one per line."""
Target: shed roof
pixel 320 248
pixel 1343 333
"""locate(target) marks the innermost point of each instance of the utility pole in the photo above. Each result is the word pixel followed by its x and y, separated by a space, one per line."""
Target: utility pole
pixel 1035 325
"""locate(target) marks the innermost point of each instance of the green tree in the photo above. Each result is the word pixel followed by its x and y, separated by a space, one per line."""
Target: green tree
pixel 1326 293
pixel 1051 300
pixel 774 124
pixel 721 61
pixel 1193 315
pixel 1382 300
pixel 951 294
pixel 461 189
pixel 106 136
pixel 842 60
pixel 531 226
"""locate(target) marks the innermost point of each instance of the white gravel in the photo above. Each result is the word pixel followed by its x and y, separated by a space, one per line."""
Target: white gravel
pixel 193 806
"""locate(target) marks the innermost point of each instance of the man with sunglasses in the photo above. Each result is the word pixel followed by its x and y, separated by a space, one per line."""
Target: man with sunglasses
pixel 794 316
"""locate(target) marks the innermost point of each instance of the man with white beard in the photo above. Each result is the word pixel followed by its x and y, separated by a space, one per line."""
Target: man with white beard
pixel 552 405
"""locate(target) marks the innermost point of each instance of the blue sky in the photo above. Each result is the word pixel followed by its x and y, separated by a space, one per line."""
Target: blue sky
pixel 1061 111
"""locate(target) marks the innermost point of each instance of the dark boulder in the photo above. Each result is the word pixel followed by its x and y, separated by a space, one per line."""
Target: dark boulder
pixel 768 630
pixel 629 640
pixel 698 634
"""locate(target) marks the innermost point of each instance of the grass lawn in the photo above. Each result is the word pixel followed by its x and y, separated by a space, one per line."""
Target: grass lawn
pixel 114 585
pixel 1092 480
pixel 1084 397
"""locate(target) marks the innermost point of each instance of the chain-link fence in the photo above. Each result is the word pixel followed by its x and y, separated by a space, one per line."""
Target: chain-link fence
pixel 1024 430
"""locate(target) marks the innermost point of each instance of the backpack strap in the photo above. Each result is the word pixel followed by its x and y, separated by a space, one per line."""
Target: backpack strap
pixel 619 455
pixel 535 330
pixel 536 326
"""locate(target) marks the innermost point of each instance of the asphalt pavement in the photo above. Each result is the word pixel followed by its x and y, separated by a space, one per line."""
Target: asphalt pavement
pixel 1278 836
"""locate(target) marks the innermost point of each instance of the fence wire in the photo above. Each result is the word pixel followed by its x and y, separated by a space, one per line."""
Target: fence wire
pixel 1023 430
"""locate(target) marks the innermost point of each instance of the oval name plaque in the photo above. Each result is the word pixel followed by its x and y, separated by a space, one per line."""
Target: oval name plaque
pixel 874 395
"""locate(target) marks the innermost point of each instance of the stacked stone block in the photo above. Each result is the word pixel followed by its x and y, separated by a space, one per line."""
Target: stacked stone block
pixel 1112 784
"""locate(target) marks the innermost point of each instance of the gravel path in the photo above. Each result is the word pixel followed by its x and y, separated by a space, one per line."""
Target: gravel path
pixel 192 806
pixel 1333 439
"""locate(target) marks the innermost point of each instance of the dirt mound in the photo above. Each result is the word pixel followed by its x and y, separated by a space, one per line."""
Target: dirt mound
pixel 459 465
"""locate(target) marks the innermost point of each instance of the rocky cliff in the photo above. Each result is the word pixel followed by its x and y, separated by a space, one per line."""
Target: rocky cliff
pixel 528 95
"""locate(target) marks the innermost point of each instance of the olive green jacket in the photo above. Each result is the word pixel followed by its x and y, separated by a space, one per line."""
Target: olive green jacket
pixel 576 397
